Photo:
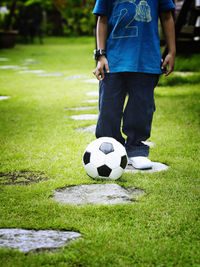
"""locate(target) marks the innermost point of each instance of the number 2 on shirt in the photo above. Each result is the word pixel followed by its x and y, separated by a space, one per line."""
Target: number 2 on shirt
pixel 123 27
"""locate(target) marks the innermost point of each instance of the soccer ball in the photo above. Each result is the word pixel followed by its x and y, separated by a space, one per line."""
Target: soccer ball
pixel 105 158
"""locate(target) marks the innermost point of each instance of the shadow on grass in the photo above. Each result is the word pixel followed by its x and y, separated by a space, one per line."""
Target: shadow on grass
pixel 175 80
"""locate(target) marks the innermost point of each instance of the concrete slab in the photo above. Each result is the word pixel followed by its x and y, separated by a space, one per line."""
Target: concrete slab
pixel 96 194
pixel 31 71
pixel 4 97
pixel 30 61
pixel 7 67
pixel 4 59
pixel 50 74
pixel 183 73
pixel 13 67
pixel 32 240
pixel 95 81
pixel 88 129
pixel 80 108
pixel 92 101
pixel 75 77
pixel 157 167
pixel 94 93
pixel 84 117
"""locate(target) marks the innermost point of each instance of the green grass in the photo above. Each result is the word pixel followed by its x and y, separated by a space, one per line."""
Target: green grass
pixel 161 228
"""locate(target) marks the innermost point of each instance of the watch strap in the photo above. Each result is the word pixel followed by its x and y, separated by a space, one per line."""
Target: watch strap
pixel 98 53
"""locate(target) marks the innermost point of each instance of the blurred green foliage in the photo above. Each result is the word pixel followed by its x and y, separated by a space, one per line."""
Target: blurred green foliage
pixel 75 16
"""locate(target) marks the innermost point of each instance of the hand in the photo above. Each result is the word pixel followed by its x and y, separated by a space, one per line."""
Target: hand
pixel 102 65
pixel 170 61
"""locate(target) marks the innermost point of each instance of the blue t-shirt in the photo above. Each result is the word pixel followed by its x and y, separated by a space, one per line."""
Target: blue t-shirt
pixel 133 42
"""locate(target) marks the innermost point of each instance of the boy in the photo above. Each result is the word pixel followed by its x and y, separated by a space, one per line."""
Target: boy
pixel 129 63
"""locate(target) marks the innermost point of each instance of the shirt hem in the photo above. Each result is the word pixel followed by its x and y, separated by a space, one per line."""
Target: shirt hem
pixel 151 71
pixel 100 12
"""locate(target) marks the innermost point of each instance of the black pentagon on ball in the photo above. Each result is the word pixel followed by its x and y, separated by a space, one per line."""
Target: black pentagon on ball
pixel 106 148
pixel 86 157
pixel 104 171
pixel 123 162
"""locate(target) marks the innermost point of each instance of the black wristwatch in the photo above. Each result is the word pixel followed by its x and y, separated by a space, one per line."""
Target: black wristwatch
pixel 98 53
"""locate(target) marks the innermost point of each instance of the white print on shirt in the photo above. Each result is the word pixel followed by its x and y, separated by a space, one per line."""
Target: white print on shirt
pixel 123 18
pixel 143 12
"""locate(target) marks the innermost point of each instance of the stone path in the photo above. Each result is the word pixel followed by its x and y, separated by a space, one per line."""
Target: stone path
pixel 3 59
pixel 31 240
pixel 157 167
pixel 96 194
pixel 92 101
pixel 74 77
pixel 94 93
pixel 13 67
pixel 31 71
pixel 84 117
pixel 4 97
pixel 30 61
pixel 80 108
pixel 88 129
pixel 50 74
pixel 6 67
pixel 183 74
pixel 95 81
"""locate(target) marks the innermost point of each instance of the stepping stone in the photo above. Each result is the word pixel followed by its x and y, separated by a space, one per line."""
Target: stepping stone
pixel 88 129
pixel 157 167
pixel 3 59
pixel 95 93
pixel 22 68
pixel 96 194
pixel 80 108
pixel 31 71
pixel 7 67
pixel 92 81
pixel 32 240
pixel 183 74
pixel 85 117
pixel 30 61
pixel 74 77
pixel 50 75
pixel 4 97
pixel 92 101
pixel 13 67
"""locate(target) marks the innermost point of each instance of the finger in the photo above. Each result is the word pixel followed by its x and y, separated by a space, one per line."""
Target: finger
pixel 164 64
pixel 97 73
pixel 107 68
pixel 170 69
pixel 102 75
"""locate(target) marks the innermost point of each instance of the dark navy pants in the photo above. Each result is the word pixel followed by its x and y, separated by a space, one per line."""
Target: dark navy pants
pixel 135 114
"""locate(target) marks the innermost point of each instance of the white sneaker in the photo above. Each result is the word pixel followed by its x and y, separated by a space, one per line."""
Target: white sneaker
pixel 140 163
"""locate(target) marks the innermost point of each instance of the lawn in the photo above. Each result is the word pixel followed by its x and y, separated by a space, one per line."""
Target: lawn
pixel 38 138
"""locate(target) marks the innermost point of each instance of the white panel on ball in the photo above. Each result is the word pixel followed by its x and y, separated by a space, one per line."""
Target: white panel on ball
pixel 91 170
pixel 113 160
pixel 97 158
pixel 116 173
